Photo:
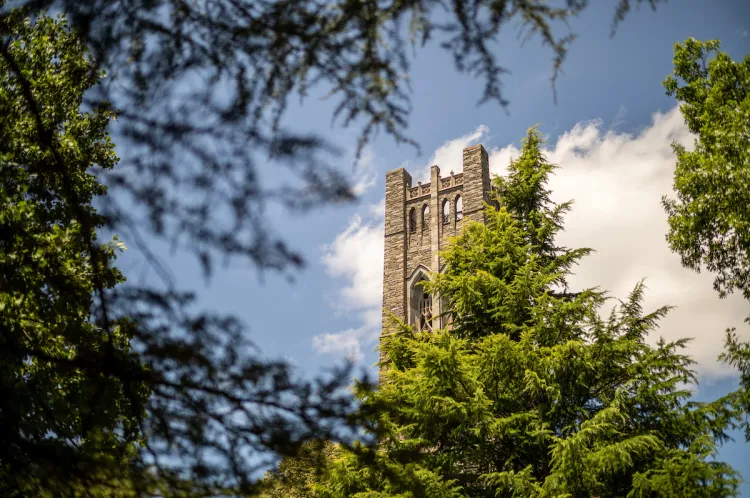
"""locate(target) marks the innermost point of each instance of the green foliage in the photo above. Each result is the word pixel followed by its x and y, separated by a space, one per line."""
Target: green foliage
pixel 517 246
pixel 297 476
pixel 535 392
pixel 63 427
pixel 737 355
pixel 709 223
pixel 109 388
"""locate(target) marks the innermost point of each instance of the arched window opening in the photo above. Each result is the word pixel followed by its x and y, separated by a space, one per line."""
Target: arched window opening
pixel 413 220
pixel 446 212
pixel 425 311
pixel 425 216
pixel 459 208
pixel 421 305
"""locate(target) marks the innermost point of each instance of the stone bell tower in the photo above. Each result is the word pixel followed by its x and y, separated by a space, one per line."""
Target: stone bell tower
pixel 419 219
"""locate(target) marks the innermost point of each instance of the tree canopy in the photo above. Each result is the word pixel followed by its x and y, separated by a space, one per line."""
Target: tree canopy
pixel 62 426
pixel 709 223
pixel 535 391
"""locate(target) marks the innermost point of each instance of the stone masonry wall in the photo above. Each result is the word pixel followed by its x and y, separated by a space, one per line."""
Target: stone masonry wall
pixel 476 182
pixel 397 182
pixel 453 227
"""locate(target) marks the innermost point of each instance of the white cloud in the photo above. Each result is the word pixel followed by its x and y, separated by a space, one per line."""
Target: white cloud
pixel 346 344
pixel 355 258
pixel 616 180
pixel 364 173
pixel 377 211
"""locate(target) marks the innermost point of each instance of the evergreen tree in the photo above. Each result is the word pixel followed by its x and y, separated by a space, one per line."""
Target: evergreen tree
pixel 534 392
pixel 298 476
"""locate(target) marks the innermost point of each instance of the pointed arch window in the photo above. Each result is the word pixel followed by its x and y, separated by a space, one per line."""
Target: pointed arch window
pixel 459 209
pixel 420 315
pixel 446 211
pixel 425 311
pixel 412 220
pixel 425 216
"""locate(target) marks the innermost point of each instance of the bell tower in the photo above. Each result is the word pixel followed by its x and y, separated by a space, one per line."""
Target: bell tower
pixel 419 219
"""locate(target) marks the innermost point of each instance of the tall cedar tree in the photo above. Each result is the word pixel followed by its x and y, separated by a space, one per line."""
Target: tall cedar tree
pixel 298 476
pixel 534 392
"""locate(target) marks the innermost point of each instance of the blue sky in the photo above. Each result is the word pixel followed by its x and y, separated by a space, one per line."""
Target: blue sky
pixel 609 131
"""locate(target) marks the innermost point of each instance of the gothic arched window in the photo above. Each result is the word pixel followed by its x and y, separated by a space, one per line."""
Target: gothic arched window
pixel 459 208
pixel 412 220
pixel 420 315
pixel 425 311
pixel 446 211
pixel 425 216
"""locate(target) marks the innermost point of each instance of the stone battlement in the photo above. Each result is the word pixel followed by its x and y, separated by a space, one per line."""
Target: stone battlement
pixel 444 183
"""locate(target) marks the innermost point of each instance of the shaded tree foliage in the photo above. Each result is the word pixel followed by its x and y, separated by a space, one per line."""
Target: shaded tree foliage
pixel 737 355
pixel 59 425
pixel 109 389
pixel 534 392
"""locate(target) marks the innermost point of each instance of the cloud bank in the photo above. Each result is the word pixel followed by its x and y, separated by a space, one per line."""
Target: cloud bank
pixel 355 258
pixel 616 180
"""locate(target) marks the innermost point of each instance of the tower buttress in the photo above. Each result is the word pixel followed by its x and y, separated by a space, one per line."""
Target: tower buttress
pixel 397 183
pixel 476 182
pixel 436 225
